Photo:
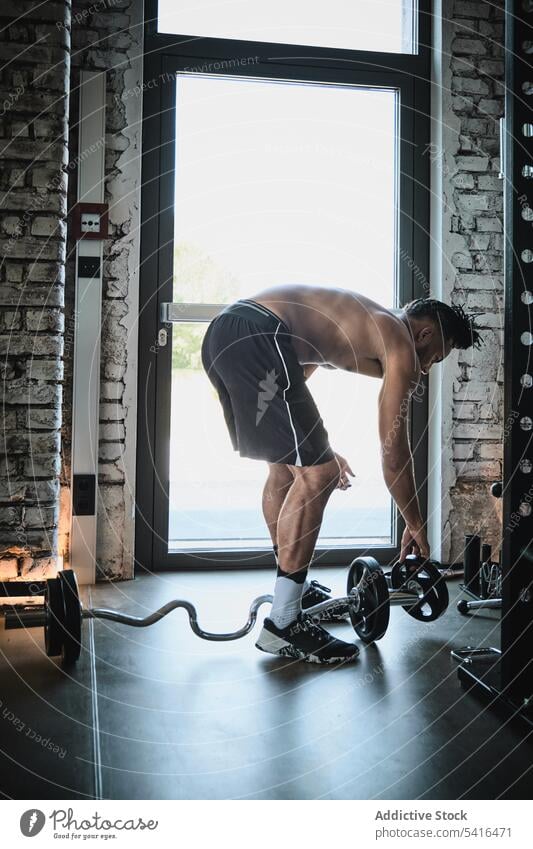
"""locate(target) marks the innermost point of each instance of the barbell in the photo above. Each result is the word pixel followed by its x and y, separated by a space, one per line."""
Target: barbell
pixel 415 585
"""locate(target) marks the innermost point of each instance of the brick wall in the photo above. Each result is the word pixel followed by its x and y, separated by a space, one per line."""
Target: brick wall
pixel 108 36
pixel 471 243
pixel 34 90
pixel 39 144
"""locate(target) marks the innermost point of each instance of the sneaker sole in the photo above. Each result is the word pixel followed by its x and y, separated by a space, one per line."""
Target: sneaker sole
pixel 273 644
pixel 335 617
pixel 328 616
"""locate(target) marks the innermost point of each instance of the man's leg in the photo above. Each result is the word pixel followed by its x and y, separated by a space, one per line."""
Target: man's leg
pixel 279 481
pixel 297 528
pixel 301 514
pixel 287 593
pixel 285 632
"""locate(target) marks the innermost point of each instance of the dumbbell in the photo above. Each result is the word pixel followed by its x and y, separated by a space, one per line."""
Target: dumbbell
pixel 416 585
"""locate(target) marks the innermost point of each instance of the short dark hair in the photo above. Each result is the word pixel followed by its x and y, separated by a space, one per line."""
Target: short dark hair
pixel 456 326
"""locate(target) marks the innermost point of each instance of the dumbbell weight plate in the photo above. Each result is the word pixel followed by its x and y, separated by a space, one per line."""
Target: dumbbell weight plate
pixel 372 619
pixel 425 576
pixel 72 622
pixel 55 616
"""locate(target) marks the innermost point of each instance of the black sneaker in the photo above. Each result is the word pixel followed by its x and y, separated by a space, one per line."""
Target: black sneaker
pixel 305 640
pixel 317 593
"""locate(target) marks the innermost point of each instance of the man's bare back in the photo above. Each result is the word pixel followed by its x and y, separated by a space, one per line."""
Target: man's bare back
pixel 339 328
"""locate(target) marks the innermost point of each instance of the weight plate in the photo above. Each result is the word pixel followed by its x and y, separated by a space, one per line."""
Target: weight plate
pixel 423 576
pixel 372 619
pixel 55 616
pixel 72 625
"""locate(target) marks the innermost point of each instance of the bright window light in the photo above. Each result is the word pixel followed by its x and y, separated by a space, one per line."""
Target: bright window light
pixel 378 25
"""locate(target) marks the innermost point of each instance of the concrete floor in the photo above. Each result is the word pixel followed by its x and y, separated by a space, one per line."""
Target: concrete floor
pixel 159 714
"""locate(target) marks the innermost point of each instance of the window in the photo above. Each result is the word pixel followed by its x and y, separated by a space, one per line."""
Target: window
pixel 275 182
pixel 387 26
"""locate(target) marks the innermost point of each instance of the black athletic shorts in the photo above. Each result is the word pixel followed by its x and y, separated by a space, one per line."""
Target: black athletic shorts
pixel 270 413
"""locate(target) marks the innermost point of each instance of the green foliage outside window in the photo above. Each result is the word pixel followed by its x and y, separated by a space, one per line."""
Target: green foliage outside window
pixel 197 279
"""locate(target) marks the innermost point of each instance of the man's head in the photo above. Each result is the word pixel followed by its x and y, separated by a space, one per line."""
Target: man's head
pixel 438 328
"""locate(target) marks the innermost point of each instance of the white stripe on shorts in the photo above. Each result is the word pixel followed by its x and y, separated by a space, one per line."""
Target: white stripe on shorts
pixel 298 458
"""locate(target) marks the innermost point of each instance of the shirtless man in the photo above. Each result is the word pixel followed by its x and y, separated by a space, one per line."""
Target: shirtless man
pixel 259 353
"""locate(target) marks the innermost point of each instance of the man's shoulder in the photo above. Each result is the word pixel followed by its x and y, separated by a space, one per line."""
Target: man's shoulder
pixel 397 345
pixel 392 330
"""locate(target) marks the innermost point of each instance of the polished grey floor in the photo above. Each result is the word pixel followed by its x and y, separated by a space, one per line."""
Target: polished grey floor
pixel 159 714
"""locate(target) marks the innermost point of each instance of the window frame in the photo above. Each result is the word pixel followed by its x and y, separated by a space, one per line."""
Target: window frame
pixel 165 56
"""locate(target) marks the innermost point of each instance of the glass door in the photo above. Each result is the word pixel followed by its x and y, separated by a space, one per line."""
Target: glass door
pixel 251 179
pixel 275 182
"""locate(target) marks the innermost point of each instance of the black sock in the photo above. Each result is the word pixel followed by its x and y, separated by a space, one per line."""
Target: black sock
pixel 298 577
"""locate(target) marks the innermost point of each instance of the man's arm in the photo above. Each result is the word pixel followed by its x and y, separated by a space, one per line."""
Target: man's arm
pixel 399 381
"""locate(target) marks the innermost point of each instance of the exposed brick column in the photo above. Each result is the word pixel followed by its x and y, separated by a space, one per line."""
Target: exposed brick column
pixel 471 260
pixel 33 206
pixel 478 101
pixel 108 36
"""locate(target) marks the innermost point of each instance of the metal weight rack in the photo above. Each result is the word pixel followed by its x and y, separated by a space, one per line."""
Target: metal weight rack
pixel 506 676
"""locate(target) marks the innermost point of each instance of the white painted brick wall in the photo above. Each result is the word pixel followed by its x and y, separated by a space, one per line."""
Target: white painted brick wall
pixel 474 193
pixel 111 39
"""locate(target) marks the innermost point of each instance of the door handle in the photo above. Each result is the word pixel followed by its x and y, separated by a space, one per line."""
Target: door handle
pixel 172 313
